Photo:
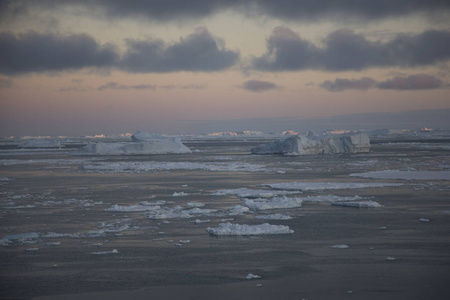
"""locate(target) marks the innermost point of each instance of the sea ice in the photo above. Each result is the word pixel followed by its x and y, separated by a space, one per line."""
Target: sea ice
pixel 150 166
pixel 302 145
pixel 274 217
pixel 252 276
pixel 114 251
pixel 131 208
pixel 307 186
pixel 273 203
pixel 22 236
pixel 359 204
pixel 236 229
pixel 340 246
pixel 406 175
pixel 251 193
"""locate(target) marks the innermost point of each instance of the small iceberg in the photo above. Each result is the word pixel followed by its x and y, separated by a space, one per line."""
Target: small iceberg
pixel 141 144
pixel 302 145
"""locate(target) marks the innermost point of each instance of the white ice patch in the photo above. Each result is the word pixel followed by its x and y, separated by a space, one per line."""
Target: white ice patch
pixel 406 175
pixel 237 210
pixel 180 194
pixel 307 186
pixel 330 198
pixel 274 217
pixel 251 193
pixel 114 251
pixel 359 204
pixel 236 229
pixel 252 276
pixel 132 208
pixel 340 246
pixel 273 203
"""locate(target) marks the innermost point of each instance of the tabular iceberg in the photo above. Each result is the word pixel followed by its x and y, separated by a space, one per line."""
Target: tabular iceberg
pixel 142 143
pixel 302 145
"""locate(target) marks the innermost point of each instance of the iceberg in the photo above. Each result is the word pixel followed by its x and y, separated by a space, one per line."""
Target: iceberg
pixel 142 144
pixel 40 143
pixel 302 145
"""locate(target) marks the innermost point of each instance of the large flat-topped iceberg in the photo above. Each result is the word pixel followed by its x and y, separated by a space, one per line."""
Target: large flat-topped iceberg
pixel 142 143
pixel 302 145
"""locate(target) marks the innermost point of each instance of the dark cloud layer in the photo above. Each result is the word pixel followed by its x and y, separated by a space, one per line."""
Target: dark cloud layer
pixel 403 83
pixel 199 51
pixel 412 82
pixel 259 86
pixel 116 86
pixel 344 50
pixel 38 52
pixel 341 84
pixel 301 10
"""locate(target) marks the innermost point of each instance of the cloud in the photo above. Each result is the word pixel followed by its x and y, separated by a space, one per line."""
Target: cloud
pixel 39 52
pixel 341 84
pixel 299 10
pixel 344 50
pixel 115 86
pixel 5 83
pixel 412 82
pixel 199 51
pixel 259 86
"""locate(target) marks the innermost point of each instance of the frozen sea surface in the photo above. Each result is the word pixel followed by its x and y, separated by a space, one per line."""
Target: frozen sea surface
pixel 195 224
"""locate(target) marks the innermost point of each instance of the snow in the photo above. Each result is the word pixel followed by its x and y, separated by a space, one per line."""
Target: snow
pixel 236 229
pixel 302 145
pixel 307 186
pixel 273 203
pixel 406 175
pixel 359 204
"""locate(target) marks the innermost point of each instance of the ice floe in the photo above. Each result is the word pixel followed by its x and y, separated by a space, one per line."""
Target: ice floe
pixel 406 175
pixel 340 246
pixel 359 204
pixel 251 193
pixel 132 208
pixel 114 251
pixel 307 186
pixel 252 276
pixel 274 217
pixel 273 203
pixel 236 229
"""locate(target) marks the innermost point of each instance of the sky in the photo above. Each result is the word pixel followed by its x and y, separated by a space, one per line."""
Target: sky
pixel 90 67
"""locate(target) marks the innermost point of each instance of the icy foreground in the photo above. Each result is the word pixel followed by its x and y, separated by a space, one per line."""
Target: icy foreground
pixel 301 145
pixel 141 144
pixel 236 229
